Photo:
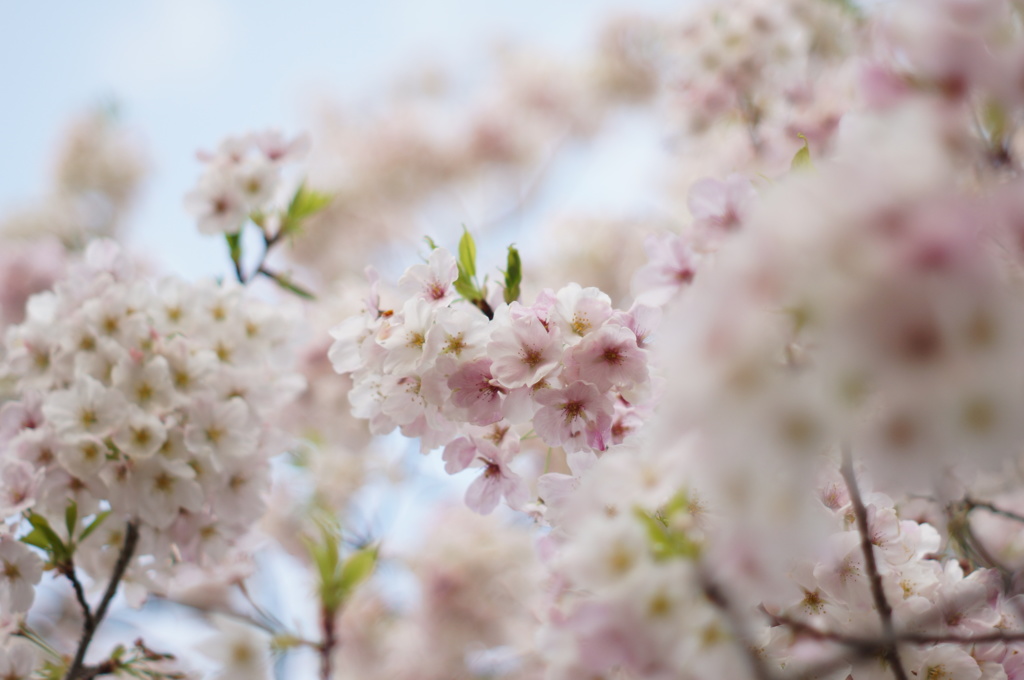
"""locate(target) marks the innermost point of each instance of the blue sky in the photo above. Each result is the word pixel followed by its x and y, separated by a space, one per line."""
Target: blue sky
pixel 188 72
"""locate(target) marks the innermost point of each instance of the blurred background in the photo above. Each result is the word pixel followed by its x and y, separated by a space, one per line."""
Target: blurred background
pixel 182 74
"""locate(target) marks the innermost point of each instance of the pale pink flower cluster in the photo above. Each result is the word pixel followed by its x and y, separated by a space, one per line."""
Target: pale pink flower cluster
pixel 243 177
pixel 929 595
pixel 749 76
pixel 569 366
pixel 148 401
pixel 718 209
pixel 622 601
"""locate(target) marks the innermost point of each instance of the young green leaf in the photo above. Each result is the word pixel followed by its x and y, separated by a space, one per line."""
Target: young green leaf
pixel 94 525
pixel 802 159
pixel 235 246
pixel 666 543
pixel 358 567
pixel 71 519
pixel 465 287
pixel 467 254
pixel 56 547
pixel 36 538
pixel 513 275
pixel 307 202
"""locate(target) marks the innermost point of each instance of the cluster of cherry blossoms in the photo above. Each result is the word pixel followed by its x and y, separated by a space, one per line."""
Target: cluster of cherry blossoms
pixel 477 378
pixel 142 418
pixel 242 178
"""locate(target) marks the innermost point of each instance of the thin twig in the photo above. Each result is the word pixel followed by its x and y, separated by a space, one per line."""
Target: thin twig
pixel 718 598
pixel 268 243
pixel 877 591
pixel 536 183
pixel 971 504
pixel 878 644
pixel 131 539
pixel 68 570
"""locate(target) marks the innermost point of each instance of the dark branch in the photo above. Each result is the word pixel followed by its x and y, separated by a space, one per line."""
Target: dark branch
pixel 68 570
pixel 77 671
pixel 983 505
pixel 718 598
pixel 330 641
pixel 891 653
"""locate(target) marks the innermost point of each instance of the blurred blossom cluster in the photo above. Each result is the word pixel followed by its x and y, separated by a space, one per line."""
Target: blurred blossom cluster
pixel 95 180
pixel 762 423
pixel 96 176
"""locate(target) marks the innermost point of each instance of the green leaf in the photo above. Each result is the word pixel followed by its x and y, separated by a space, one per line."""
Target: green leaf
pixel 305 203
pixel 52 670
pixel 679 503
pixel 325 554
pixel 56 547
pixel 358 567
pixel 234 246
pixel 94 525
pixel 431 243
pixel 467 254
pixel 71 519
pixel 465 287
pixel 666 543
pixel 802 159
pixel 513 275
pixel 36 538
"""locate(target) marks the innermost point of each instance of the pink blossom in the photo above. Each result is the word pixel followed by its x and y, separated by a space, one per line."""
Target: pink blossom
pixel 719 207
pixel 579 311
pixel 278 149
pixel 608 357
pixel 496 481
pixel 433 281
pixel 671 266
pixel 475 389
pixel 458 454
pixel 218 205
pixel 577 417
pixel 642 319
pixel 523 352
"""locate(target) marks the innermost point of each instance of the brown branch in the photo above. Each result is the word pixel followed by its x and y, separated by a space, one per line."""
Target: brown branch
pixel 131 538
pixel 864 647
pixel 330 641
pixel 878 644
pixel 972 504
pixel 891 652
pixel 68 570
pixel 718 598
